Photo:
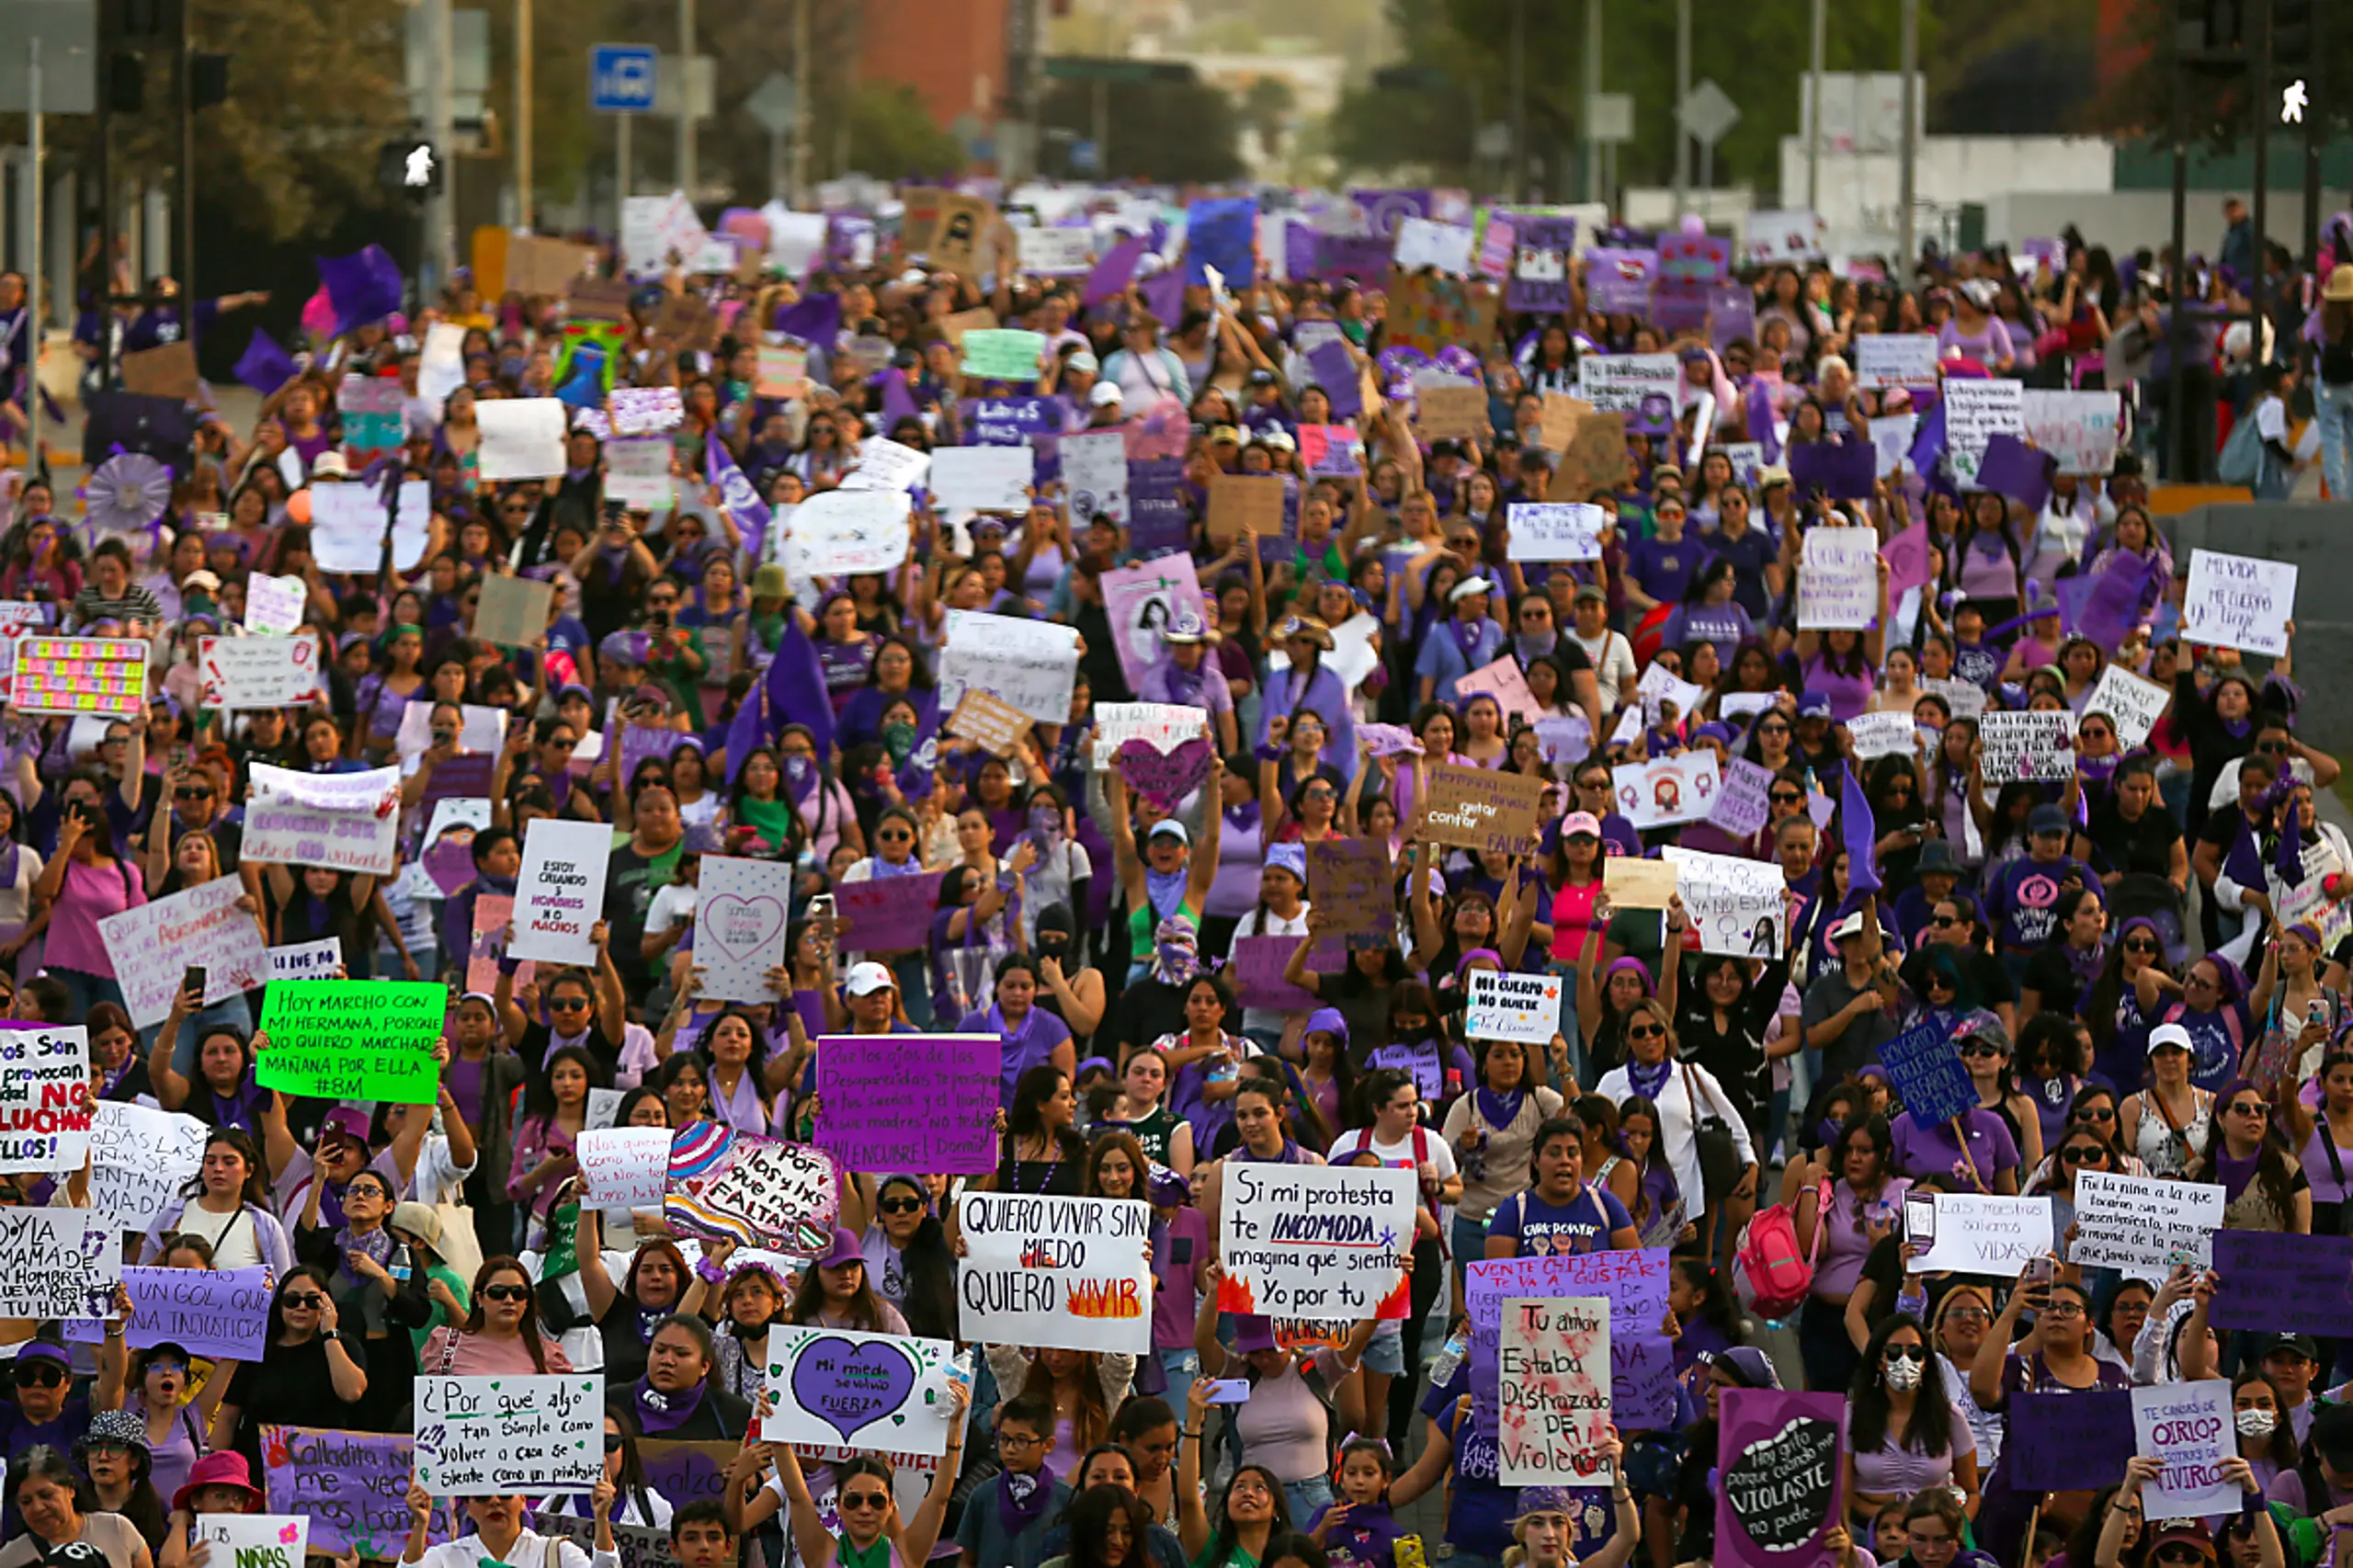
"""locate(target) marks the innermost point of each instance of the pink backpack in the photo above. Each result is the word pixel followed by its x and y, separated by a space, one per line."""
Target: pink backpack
pixel 1769 1273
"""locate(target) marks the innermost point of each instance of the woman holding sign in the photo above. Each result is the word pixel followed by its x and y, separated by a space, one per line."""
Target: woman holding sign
pixel 872 1534
pixel 2055 1357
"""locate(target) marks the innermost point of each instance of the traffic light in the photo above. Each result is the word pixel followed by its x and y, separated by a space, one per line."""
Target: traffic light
pixel 2291 36
pixel 412 167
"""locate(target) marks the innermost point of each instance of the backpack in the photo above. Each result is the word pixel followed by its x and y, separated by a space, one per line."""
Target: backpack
pixel 2241 461
pixel 1770 1277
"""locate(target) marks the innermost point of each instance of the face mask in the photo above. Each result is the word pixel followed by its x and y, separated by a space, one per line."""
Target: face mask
pixel 798 769
pixel 1045 821
pixel 899 740
pixel 1902 1376
pixel 2257 1422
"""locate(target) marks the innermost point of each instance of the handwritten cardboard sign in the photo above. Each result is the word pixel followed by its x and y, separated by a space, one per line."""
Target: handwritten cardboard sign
pixel 730 1186
pixel 1480 809
pixel 356 1040
pixel 1505 1006
pixel 740 914
pixel 2283 1283
pixel 2236 601
pixel 1554 1391
pixel 2144 1224
pixel 1556 530
pixel 488 1437
pixel 981 716
pixel 42 1070
pixel 1981 1234
pixel 1353 883
pixel 2034 747
pixel 1925 1068
pixel 886 1391
pixel 102 677
pixel 2188 1429
pixel 560 891
pixel 1245 503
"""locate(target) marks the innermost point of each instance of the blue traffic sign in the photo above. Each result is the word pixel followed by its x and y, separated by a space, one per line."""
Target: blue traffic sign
pixel 620 78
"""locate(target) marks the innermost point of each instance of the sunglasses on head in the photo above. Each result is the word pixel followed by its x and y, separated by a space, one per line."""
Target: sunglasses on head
pixel 505 1292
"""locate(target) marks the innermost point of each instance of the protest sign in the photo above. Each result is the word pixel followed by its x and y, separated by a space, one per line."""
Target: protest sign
pixel 1744 804
pixel 1525 1007
pixel 1975 408
pixel 1620 382
pixel 274 605
pixel 521 438
pixel 2034 747
pixel 57 1263
pixel 1315 1241
pixel 348 524
pixel 1895 360
pixel 254 1540
pixel 492 1437
pixel 352 1486
pixel 1141 600
pixel 1428 311
pixel 838 533
pixel 1244 503
pixel 2237 601
pixel 1508 684
pixel 740 908
pixel 2189 1429
pixel 982 479
pixel 1031 665
pixel 1978 1234
pixel 1002 354
pixel 1055 253
pixel 140 1159
pixel 887 914
pixel 781 371
pixel 1964 699
pixel 623 1167
pixel 1423 241
pixel 369 409
pixel 1557 423
pixel 103 676
pixel 1925 1068
pixel 2283 1283
pixel 645 411
pixel 1779 1464
pixel 1009 421
pixel 1737 907
pixel 1667 791
pixel 154 945
pixel 2079 428
pixel 1617 280
pixel 2061 1442
pixel 222 1313
pixel 637 472
pixel 1777 237
pixel 43 1070
pixel 1095 476
pixel 344 822
pixel 1480 809
pixel 2133 704
pixel 2144 1224
pixel 354 1039
pixel 887 1111
pixel 1556 530
pixel 1327 449
pixel 981 717
pixel 1158 520
pixel 638 1546
pixel 244 672
pixel 1260 963
pixel 887 1391
pixel 753 1191
pixel 1889 732
pixel 1659 687
pixel 513 611
pixel 1634 1282
pixel 1058 1273
pixel 1553 1354
pixel 1838 581
pixel 1352 883
pixel 1891 439
pixel 1634 882
pixel 167 370
pixel 560 891
pixel 886 465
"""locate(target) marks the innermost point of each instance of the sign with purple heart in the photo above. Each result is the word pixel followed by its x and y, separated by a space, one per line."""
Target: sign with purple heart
pixel 450 863
pixel 740 914
pixel 1164 777
pixel 863 1390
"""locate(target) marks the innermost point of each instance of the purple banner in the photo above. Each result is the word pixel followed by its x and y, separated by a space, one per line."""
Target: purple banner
pixel 2283 1283
pixel 1732 315
pixel 1361 256
pixel 464 778
pixel 1258 965
pixel 1777 1476
pixel 639 745
pixel 2069 1442
pixel 1009 421
pixel 1633 1283
pixel 1677 305
pixel 886 1110
pixel 1156 519
pixel 1333 368
pixel 1542 249
pixel 889 914
pixel 450 863
pixel 1617 283
pixel 353 1485
pixel 1384 210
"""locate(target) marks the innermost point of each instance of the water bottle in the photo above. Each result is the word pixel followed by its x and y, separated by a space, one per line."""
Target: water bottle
pixel 1447 1360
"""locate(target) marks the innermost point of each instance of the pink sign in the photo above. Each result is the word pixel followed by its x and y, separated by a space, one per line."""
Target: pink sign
pixel 888 914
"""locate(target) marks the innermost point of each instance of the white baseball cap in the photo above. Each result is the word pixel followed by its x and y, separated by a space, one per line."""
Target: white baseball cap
pixel 866 979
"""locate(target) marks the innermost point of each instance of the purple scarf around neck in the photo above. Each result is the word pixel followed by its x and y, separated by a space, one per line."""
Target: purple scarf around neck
pixel 659 1413
pixel 1022 1499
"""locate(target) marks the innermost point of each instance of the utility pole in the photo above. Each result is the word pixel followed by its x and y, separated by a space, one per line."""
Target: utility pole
pixel 103 286
pixel 686 97
pixel 1813 118
pixel 1518 100
pixel 1908 143
pixel 1682 91
pixel 440 129
pixel 523 101
pixel 184 197
pixel 1592 91
pixel 804 81
pixel 36 311
pixel 621 161
pixel 2260 98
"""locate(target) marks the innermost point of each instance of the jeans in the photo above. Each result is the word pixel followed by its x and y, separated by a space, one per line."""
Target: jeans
pixel 913 971
pixel 2333 406
pixel 1305 1497
pixel 85 990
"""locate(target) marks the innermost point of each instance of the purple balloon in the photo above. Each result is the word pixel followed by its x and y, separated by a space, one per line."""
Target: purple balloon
pixel 1458 359
pixel 1400 362
pixel 848 1385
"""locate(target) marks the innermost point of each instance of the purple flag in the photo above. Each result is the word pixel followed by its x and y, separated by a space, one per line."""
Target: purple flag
pixel 1760 419
pixel 1222 232
pixel 1335 370
pixel 264 365
pixel 1111 274
pixel 1929 441
pixel 362 287
pixel 816 319
pixel 1860 831
pixel 751 514
pixel 1841 471
pixel 2012 468
pixel 898 401
pixel 1163 295
pixel 2121 598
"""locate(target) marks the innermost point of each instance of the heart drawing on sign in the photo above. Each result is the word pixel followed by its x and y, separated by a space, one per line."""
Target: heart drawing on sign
pixel 1164 777
pixel 848 1385
pixel 1779 1488
pixel 740 927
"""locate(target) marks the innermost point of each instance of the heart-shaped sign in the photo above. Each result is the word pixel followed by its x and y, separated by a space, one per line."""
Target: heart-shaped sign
pixel 741 927
pixel 849 1384
pixel 1780 1489
pixel 1164 777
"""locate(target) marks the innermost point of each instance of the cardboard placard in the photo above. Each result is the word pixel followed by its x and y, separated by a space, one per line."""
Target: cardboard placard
pixel 981 716
pixel 1245 503
pixel 1595 460
pixel 1479 808
pixel 166 372
pixel 964 224
pixel 1452 412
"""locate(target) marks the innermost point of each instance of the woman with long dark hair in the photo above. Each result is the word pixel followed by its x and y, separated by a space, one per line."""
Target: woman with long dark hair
pixel 907 1251
pixel 2054 1358
pixel 868 1512
pixel 835 1292
pixel 229 1207
pixel 1903 1433
pixel 1855 1192
pixel 310 1374
pixel 2264 1187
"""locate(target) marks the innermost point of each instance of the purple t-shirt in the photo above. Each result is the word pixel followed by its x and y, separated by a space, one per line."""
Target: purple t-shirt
pixel 1179 1245
pixel 1922 1153
pixel 1664 569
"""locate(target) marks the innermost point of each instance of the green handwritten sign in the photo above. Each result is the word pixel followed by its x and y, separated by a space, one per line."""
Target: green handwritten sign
pixel 354 1039
pixel 1002 354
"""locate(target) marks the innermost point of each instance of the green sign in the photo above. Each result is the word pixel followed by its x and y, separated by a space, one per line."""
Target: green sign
pixel 354 1039
pixel 1002 354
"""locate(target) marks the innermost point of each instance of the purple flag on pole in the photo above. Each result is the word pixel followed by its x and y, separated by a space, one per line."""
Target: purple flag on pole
pixel 1841 471
pixel 751 514
pixel 816 319
pixel 1860 831
pixel 264 365
pixel 362 287
pixel 2012 468
pixel 1760 419
pixel 1929 441
pixel 2120 598
pixel 1111 274
pixel 1163 295
pixel 898 403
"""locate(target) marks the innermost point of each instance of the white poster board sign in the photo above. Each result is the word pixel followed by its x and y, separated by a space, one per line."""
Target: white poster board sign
pixel 1031 666
pixel 1981 1234
pixel 1556 530
pixel 1064 1273
pixel 1504 1005
pixel 560 891
pixel 2143 1223
pixel 495 1435
pixel 2239 601
pixel 1976 408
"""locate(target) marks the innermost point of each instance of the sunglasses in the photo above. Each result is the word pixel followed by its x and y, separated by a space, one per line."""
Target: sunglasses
pixel 613 1442
pixel 1787 798
pixel 2251 1108
pixel 1980 1048
pixel 566 1003
pixel 894 835
pixel 43 1376
pixel 191 794
pixel 1905 1353
pixel 1645 1031
pixel 2140 945
pixel 903 1205
pixel 505 1292
pixel 2089 1113
pixel 310 1300
pixel 864 1500
pixel 561 745
pixel 2083 1156
pixel 2180 1554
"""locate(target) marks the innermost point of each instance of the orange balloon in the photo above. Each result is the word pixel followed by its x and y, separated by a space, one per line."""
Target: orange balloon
pixel 298 506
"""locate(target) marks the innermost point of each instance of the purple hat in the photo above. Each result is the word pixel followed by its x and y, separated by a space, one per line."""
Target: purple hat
pixel 844 1251
pixel 1326 1020
pixel 1745 1362
pixel 1253 1332
pixel 1545 1500
pixel 1814 704
pixel 1291 858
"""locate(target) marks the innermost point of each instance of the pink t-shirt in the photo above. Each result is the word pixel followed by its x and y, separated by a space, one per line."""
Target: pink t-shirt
pixel 479 1353
pixel 1572 918
pixel 90 894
